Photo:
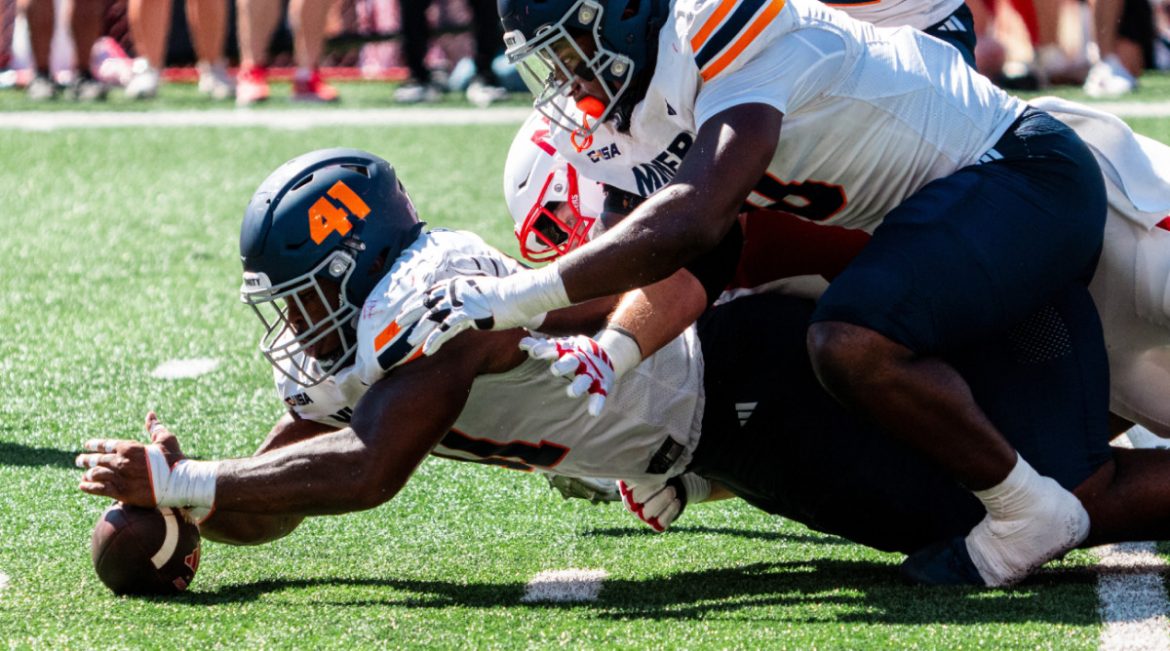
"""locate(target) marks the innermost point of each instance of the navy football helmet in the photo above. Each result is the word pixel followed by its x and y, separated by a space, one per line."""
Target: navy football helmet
pixel 553 42
pixel 318 234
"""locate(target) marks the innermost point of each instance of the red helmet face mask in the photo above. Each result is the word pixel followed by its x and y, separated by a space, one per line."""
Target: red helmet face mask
pixel 544 235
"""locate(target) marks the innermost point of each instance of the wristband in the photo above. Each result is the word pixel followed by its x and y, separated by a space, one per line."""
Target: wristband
pixel 185 484
pixel 622 348
pixel 698 488
pixel 529 294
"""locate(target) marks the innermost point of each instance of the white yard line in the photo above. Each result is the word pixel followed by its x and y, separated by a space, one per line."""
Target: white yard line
pixel 1132 598
pixel 275 119
pixel 184 369
pixel 564 586
pixel 1130 592
pixel 320 117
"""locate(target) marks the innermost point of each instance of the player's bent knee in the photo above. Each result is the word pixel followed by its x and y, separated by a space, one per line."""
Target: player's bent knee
pixel 845 355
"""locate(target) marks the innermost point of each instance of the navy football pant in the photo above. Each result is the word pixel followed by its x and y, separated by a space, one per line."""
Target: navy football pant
pixel 774 437
pixel 972 254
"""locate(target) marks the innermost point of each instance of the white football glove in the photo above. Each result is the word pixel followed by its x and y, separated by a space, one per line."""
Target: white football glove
pixel 592 366
pixel 579 359
pixel 659 505
pixel 483 303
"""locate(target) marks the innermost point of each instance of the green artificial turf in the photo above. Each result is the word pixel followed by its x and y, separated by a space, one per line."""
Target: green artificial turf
pixel 118 251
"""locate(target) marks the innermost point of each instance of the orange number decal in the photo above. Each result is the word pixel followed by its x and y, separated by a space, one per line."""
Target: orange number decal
pixel 349 198
pixel 325 218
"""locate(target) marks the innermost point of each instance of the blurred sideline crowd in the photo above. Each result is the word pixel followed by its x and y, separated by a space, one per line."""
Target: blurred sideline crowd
pixel 81 49
pixel 232 48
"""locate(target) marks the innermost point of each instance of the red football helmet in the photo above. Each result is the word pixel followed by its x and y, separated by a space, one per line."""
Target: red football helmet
pixel 555 208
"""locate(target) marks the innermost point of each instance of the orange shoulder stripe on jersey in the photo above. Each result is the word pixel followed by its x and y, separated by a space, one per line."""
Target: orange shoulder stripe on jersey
pixel 708 27
pixel 387 335
pixel 771 10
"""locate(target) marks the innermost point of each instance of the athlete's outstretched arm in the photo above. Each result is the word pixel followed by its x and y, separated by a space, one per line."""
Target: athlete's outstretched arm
pixel 256 528
pixel 687 217
pixel 394 427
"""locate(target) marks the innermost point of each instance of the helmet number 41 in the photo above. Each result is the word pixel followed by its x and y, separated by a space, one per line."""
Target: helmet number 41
pixel 325 217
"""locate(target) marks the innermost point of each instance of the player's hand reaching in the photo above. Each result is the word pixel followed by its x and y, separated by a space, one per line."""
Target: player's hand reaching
pixel 483 303
pixel 147 475
pixel 582 361
pixel 660 504
pixel 592 366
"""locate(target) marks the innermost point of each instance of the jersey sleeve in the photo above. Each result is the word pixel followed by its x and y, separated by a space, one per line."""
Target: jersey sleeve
pixel 793 71
pixel 383 342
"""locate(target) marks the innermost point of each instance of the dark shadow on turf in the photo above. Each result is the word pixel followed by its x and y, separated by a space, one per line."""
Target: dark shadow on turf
pixel 15 454
pixel 750 534
pixel 866 592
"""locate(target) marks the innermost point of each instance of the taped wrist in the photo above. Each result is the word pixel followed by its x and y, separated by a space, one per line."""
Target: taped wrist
pixel 697 488
pixel 529 295
pixel 622 348
pixel 185 484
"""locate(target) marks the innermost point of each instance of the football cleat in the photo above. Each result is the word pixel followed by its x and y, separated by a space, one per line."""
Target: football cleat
pixel 945 563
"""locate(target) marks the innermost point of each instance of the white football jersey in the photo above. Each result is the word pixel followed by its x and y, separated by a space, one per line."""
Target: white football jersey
pixel 897 13
pixel 865 126
pixel 522 418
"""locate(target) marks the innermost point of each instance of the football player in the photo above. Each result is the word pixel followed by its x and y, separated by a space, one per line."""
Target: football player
pixel 332 251
pixel 981 209
pixel 1128 286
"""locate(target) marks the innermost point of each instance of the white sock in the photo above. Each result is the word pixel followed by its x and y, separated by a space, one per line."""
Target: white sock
pixel 1005 498
pixel 1030 520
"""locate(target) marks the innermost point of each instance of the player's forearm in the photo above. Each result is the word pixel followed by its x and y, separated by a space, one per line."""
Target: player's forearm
pixel 247 528
pixel 328 474
pixel 672 228
pixel 656 314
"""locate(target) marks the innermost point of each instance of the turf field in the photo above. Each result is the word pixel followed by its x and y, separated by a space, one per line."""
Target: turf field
pixel 119 253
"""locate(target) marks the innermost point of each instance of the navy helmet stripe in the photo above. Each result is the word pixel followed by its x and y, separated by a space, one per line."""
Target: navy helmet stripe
pixel 726 33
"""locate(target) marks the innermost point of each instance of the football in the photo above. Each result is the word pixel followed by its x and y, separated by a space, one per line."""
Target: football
pixel 145 551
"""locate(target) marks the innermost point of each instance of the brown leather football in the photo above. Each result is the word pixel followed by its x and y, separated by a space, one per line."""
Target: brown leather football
pixel 145 551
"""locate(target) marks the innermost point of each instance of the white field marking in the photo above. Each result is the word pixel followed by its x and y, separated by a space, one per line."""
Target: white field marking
pixel 1132 598
pixel 564 586
pixel 290 119
pixel 1130 592
pixel 306 118
pixel 3 580
pixel 184 369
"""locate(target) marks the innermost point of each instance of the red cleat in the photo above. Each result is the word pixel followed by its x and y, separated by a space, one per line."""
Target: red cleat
pixel 251 86
pixel 313 89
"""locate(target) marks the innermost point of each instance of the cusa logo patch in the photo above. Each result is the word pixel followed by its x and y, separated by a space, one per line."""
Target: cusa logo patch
pixel 325 217
pixel 603 153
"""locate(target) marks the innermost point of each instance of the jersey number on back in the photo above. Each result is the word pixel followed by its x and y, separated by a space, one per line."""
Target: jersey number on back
pixel 543 454
pixel 813 200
